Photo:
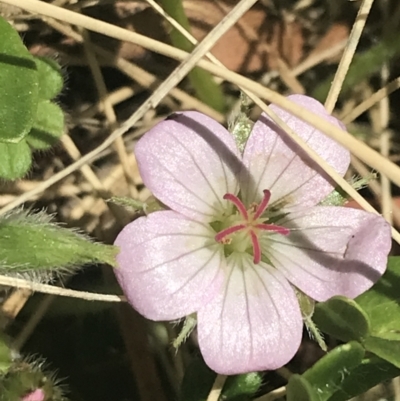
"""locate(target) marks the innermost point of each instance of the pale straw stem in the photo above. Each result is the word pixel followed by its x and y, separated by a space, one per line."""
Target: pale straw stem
pixel 217 388
pixel 348 54
pixel 54 290
pixel 273 395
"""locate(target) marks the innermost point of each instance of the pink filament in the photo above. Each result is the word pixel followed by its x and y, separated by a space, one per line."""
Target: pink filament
pixel 249 223
pixel 238 203
pixel 256 247
pixel 227 231
pixel 274 228
pixel 263 204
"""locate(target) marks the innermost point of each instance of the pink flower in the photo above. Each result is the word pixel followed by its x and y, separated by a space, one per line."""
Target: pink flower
pixel 241 232
pixel 36 395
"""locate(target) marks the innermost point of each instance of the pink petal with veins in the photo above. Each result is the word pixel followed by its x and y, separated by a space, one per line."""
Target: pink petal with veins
pixel 169 265
pixel 189 162
pixel 276 163
pixel 36 395
pixel 254 324
pixel 331 251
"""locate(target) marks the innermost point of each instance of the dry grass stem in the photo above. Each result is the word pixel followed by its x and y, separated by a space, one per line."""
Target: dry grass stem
pixel 54 290
pixel 200 50
pixel 109 113
pixel 371 101
pixel 273 395
pixel 137 74
pixel 34 319
pixel 375 187
pixel 15 302
pixel 382 125
pixel 348 54
pixel 217 388
pixel 318 58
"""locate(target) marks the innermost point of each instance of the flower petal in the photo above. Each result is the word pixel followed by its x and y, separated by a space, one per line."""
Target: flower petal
pixel 35 395
pixel 168 266
pixel 254 324
pixel 189 162
pixel 275 162
pixel 331 251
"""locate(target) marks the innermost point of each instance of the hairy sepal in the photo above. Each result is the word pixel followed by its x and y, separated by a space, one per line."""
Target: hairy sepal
pixel 31 244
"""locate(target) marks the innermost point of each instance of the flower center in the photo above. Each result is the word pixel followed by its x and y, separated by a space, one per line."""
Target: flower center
pixel 251 223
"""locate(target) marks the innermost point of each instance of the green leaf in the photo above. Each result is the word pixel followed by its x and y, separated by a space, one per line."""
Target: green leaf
pixel 342 318
pixel 241 387
pixel 330 371
pixel 5 355
pixel 386 346
pixel 299 389
pixel 382 301
pixel 368 374
pixel 382 304
pixel 15 160
pixel 48 126
pixel 32 244
pixel 18 86
pixel 373 318
pixel 197 382
pixel 50 78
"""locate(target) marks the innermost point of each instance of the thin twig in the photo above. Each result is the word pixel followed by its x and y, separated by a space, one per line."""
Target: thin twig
pixel 273 395
pixel 348 54
pixel 315 59
pixel 34 319
pixel 54 290
pixel 217 388
pixel 384 142
pixel 137 74
pixel 15 302
pixel 109 112
pixel 371 101
pixel 204 46
pixel 375 187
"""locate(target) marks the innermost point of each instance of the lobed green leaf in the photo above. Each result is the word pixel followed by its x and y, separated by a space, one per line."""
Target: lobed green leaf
pixel 327 375
pixel 50 77
pixel 15 160
pixel 299 389
pixel 48 126
pixel 370 372
pixel 342 318
pixel 241 387
pixel 19 86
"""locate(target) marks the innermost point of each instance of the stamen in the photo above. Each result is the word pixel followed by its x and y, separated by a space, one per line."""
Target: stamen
pixel 227 231
pixel 250 224
pixel 273 227
pixel 256 247
pixel 238 203
pixel 263 204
